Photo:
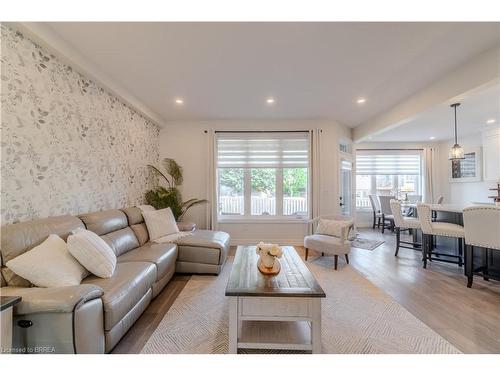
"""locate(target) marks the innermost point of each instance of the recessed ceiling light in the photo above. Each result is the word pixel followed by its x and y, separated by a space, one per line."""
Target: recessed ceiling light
pixel 179 101
pixel 491 121
pixel 431 138
pixel 361 101
pixel 270 100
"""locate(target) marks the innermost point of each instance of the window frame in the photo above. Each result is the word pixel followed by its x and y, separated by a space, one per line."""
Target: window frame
pixel 395 182
pixel 247 216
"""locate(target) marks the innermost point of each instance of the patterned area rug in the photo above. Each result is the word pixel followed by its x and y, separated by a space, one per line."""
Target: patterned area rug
pixel 365 244
pixel 357 317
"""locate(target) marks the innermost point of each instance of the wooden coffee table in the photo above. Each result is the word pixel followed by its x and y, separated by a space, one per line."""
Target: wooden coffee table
pixel 273 312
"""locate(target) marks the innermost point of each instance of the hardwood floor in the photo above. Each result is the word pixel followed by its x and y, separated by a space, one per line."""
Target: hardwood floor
pixel 467 318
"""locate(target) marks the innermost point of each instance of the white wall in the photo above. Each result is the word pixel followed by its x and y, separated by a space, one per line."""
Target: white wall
pixel 186 142
pixel 461 192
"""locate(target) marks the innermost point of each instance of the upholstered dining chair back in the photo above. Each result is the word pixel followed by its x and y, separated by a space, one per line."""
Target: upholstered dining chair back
pixel 424 214
pixel 385 203
pixel 482 226
pixel 374 202
pixel 396 212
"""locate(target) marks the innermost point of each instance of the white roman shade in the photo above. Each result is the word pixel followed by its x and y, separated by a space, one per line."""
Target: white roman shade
pixel 372 162
pixel 262 150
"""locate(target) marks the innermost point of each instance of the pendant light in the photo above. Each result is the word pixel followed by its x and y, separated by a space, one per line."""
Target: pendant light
pixel 456 152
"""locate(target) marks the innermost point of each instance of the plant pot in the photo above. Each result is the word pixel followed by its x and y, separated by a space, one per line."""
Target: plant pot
pixel 267 260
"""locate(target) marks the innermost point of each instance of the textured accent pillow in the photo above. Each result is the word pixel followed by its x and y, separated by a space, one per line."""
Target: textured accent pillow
pixel 49 264
pixel 331 227
pixel 160 223
pixel 92 252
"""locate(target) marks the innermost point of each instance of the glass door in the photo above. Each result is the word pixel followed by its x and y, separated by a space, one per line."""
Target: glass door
pixel 345 188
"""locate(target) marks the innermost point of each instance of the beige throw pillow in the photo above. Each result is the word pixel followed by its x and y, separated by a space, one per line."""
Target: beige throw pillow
pixel 331 227
pixel 92 252
pixel 49 264
pixel 160 223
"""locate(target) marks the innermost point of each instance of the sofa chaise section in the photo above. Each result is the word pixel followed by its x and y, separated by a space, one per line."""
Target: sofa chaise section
pixel 203 251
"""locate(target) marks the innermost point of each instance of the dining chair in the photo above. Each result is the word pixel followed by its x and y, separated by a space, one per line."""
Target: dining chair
pixel 403 223
pixel 377 215
pixel 432 228
pixel 481 225
pixel 439 200
pixel 385 209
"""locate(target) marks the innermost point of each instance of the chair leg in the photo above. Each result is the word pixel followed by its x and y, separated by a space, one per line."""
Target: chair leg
pixel 322 254
pixel 398 239
pixel 425 244
pixel 383 223
pixel 460 253
pixel 374 219
pixel 336 261
pixel 307 253
pixel 378 223
pixel 347 259
pixel 469 252
pixel 485 265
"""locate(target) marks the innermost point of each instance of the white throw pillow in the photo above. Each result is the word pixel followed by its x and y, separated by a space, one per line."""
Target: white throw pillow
pixel 92 252
pixel 49 264
pixel 160 223
pixel 331 227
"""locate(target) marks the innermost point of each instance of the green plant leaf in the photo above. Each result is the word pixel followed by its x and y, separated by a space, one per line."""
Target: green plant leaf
pixel 159 173
pixel 174 170
pixel 190 203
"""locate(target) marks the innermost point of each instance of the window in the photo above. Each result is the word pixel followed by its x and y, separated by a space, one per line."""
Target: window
pixel 263 175
pixel 387 173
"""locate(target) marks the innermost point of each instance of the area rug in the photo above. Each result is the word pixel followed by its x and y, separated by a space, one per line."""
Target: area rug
pixel 366 244
pixel 357 317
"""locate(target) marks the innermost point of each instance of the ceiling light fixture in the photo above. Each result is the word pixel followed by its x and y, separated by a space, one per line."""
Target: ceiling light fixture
pixel 491 121
pixel 456 152
pixel 432 138
pixel 361 101
pixel 270 100
pixel 179 101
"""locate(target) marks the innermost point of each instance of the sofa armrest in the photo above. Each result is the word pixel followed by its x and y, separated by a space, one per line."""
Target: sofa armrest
pixel 46 300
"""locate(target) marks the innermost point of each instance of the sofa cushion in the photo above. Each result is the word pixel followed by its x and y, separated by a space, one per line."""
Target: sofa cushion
pixel 121 240
pixel 160 223
pixel 203 255
pixel 163 255
pixel 130 282
pixel 103 222
pixel 141 232
pixel 206 238
pixel 134 215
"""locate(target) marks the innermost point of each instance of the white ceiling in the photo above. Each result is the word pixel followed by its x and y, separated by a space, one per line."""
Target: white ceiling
pixel 473 113
pixel 314 70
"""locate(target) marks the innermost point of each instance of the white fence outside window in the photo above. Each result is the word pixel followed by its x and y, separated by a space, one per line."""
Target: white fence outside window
pixel 229 205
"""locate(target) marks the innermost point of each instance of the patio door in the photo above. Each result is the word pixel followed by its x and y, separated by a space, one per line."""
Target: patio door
pixel 346 186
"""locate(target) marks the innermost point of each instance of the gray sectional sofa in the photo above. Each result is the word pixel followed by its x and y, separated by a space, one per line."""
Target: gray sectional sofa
pixel 94 316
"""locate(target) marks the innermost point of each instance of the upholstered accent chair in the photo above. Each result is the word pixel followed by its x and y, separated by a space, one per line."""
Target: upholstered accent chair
pixel 403 223
pixel 481 224
pixel 330 234
pixel 433 228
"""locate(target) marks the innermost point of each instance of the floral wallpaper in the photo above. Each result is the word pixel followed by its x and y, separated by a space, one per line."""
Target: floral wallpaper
pixel 67 145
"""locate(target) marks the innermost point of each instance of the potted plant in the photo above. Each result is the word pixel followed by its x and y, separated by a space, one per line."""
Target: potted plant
pixel 170 195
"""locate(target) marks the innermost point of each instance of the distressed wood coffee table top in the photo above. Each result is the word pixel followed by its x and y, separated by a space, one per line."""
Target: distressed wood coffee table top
pixel 294 279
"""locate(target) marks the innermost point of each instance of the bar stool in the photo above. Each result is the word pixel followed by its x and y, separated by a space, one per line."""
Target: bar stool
pixel 482 229
pixel 403 223
pixel 433 228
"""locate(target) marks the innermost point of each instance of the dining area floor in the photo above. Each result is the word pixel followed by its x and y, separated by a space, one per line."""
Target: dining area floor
pixel 468 318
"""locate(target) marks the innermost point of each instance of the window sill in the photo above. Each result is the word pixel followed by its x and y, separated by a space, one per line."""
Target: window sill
pixel 261 220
